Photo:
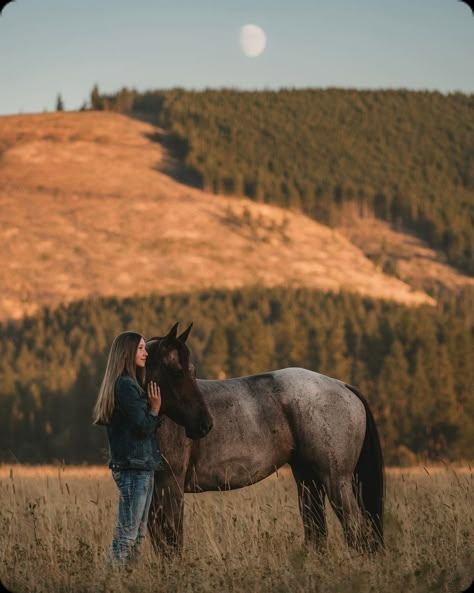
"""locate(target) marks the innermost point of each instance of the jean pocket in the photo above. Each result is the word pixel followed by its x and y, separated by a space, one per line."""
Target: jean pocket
pixel 138 463
pixel 116 475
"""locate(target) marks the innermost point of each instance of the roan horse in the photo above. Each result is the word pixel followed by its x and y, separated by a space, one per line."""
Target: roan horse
pixel 221 435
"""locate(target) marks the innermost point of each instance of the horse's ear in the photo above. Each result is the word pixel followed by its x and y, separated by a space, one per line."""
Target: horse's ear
pixel 172 332
pixel 184 336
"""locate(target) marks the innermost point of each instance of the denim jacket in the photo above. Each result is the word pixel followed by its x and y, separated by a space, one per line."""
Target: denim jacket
pixel 132 429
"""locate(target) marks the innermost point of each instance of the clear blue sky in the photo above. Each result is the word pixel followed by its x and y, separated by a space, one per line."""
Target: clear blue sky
pixel 66 46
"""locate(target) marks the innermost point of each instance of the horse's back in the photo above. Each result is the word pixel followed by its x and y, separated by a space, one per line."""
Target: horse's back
pixel 305 413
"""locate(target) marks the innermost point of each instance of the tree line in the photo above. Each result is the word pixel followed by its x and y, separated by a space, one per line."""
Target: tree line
pixel 413 364
pixel 404 156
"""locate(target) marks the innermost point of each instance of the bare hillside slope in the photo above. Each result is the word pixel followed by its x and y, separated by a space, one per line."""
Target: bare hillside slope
pixel 86 212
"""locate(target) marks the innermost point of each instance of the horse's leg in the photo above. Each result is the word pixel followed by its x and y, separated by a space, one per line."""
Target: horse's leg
pixel 341 496
pixel 165 521
pixel 311 502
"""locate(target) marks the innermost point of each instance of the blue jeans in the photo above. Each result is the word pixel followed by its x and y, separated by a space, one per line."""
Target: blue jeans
pixel 136 489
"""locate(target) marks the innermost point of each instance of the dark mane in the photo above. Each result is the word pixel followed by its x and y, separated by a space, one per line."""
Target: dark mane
pixel 155 338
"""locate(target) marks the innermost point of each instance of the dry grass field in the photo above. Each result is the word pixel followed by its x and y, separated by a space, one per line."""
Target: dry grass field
pixel 88 210
pixel 56 524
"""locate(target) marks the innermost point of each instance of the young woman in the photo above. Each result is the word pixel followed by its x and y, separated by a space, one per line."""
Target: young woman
pixel 132 420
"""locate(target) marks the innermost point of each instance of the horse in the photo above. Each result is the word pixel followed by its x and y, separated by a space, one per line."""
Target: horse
pixel 226 434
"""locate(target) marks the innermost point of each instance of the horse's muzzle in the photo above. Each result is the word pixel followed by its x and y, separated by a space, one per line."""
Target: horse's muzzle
pixel 204 427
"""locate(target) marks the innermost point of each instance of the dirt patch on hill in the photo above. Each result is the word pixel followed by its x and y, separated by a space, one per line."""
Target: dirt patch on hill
pixel 403 255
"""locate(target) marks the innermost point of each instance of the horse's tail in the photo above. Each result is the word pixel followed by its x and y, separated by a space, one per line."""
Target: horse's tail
pixel 369 483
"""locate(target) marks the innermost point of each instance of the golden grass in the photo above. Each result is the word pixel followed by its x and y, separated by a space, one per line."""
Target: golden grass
pixel 57 523
pixel 407 256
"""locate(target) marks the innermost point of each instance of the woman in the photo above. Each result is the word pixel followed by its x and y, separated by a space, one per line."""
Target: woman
pixel 131 423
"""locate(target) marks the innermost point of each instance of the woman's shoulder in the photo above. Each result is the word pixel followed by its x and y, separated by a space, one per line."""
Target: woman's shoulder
pixel 125 381
pixel 126 378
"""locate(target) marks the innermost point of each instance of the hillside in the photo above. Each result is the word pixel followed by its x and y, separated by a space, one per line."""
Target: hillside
pixel 401 254
pixel 88 211
pixel 405 157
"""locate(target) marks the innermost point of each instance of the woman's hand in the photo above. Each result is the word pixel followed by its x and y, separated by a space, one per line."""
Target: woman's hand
pixel 154 396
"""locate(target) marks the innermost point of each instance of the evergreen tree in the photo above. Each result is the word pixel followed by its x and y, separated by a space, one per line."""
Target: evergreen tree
pixel 59 103
pixel 394 393
pixel 95 99
pixel 337 362
pixel 291 341
pixel 251 347
pixel 216 355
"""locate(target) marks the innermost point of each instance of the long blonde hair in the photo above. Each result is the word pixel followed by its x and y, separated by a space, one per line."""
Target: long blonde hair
pixel 121 358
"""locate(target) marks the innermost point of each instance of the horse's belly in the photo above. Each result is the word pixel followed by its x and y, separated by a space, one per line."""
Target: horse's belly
pixel 223 462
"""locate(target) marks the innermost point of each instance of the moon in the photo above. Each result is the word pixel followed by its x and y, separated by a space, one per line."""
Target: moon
pixel 252 40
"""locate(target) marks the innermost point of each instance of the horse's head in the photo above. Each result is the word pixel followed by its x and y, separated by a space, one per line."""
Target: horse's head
pixel 169 364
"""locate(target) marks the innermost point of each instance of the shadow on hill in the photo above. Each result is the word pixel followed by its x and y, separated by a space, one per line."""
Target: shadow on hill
pixel 173 164
pixel 177 149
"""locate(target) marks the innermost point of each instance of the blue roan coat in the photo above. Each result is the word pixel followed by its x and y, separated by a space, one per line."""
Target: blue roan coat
pixel 132 429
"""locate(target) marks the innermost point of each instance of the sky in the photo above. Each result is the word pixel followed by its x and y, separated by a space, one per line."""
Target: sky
pixel 66 46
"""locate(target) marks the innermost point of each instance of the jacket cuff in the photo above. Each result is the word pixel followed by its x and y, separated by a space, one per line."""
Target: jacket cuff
pixel 158 418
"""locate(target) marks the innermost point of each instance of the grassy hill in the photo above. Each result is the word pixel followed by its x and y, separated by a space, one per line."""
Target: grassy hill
pixel 405 157
pixel 88 211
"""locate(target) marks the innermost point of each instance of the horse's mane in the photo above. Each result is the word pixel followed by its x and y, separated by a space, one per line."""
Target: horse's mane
pixel 154 338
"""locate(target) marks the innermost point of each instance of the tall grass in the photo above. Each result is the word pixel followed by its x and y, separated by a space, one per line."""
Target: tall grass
pixel 57 523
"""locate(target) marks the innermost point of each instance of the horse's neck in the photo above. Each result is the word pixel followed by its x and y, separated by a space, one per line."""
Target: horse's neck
pixel 175 446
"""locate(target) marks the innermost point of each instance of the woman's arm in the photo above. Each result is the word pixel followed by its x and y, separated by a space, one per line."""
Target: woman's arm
pixel 135 407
